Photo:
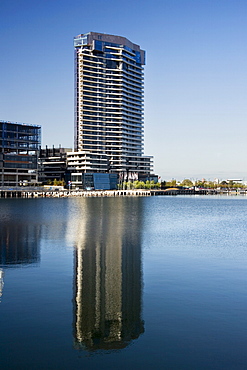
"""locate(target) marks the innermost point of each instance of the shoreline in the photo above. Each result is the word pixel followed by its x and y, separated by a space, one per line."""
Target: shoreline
pixel 41 193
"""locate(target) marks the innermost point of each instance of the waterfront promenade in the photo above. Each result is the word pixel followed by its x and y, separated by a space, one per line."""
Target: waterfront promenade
pixel 39 192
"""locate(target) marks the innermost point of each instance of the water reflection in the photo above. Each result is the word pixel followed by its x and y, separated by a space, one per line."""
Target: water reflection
pixel 108 274
pixel 19 244
pixel 1 284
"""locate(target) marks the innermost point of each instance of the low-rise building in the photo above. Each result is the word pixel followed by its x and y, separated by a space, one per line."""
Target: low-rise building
pixel 53 164
pixel 19 147
pixel 90 171
pixel 93 170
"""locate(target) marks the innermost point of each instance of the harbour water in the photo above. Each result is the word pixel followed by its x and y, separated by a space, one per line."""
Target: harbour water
pixel 135 282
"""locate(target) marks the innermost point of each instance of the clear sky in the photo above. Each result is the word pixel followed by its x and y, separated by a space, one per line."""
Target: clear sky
pixel 195 76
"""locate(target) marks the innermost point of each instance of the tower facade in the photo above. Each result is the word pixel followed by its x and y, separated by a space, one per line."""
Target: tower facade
pixel 109 104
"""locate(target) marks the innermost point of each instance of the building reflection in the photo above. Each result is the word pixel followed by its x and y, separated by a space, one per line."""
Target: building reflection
pixel 1 283
pixel 108 273
pixel 19 244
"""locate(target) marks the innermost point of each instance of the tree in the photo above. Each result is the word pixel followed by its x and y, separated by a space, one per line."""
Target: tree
pixel 139 185
pixel 200 184
pixel 148 184
pixel 135 184
pixel 187 182
pixel 210 185
pixel 172 183
pixel 163 184
pixel 223 184
pixel 130 185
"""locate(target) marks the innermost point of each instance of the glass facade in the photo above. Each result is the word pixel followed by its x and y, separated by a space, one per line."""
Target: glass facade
pixel 19 146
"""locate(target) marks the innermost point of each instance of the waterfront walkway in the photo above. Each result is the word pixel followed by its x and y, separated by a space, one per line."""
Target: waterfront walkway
pixel 44 193
pixel 41 193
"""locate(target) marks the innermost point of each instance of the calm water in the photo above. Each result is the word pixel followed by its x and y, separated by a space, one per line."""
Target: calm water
pixel 144 283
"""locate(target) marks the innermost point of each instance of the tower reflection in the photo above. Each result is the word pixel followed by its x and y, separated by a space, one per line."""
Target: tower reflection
pixel 108 273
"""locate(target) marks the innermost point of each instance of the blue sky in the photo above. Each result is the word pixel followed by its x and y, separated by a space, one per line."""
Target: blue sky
pixel 195 77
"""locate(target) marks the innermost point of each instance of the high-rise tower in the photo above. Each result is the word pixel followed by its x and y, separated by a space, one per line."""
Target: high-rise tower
pixel 109 104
